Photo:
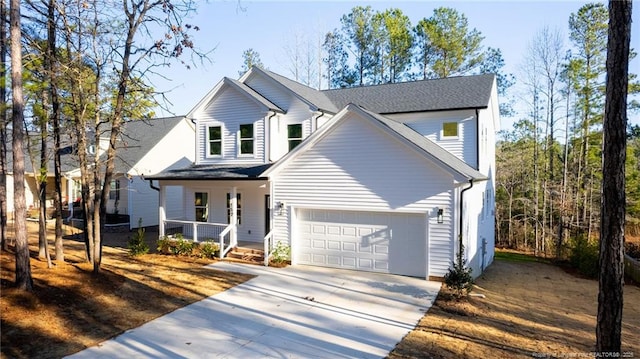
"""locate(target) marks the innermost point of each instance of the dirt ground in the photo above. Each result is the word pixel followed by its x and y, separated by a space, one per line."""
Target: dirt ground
pixel 530 309
pixel 65 315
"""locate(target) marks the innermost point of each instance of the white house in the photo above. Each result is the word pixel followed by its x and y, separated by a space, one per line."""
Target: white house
pixel 144 147
pixel 389 178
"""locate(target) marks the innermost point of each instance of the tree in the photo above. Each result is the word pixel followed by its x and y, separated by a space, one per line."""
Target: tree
pixel 447 45
pixel 3 127
pixel 23 264
pixel 611 260
pixel 250 58
pixel 357 28
pixel 338 73
pixel 493 63
pixel 397 43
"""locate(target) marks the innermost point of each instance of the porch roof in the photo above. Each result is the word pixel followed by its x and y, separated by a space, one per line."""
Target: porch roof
pixel 214 172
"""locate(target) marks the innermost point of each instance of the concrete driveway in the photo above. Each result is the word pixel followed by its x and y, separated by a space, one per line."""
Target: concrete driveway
pixel 293 312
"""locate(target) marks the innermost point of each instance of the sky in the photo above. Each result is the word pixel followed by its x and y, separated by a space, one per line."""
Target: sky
pixel 228 28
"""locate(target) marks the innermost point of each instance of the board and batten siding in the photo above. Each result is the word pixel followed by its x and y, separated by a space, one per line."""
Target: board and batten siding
pixel 230 109
pixel 359 167
pixel 430 125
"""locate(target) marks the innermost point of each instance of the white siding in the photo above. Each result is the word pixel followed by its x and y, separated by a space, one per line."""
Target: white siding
pixel 430 125
pixel 298 113
pixel 230 109
pixel 359 167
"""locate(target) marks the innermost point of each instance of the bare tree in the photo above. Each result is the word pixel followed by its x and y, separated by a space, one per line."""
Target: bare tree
pixel 3 127
pixel 611 280
pixel 23 264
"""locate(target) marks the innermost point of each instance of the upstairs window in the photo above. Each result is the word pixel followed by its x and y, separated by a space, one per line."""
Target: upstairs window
pixel 294 135
pixel 214 134
pixel 201 203
pixel 450 130
pixel 246 139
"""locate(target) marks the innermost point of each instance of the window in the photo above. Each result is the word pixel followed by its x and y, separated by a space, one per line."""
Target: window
pixel 114 192
pixel 238 208
pixel 246 139
pixel 294 135
pixel 202 206
pixel 214 137
pixel 450 129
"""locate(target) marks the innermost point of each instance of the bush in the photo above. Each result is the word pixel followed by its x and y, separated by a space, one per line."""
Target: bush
pixel 459 279
pixel 281 253
pixel 137 245
pixel 584 256
pixel 209 249
pixel 184 247
pixel 165 245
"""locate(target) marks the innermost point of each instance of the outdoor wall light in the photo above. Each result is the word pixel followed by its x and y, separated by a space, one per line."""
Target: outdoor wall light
pixel 279 207
pixel 440 217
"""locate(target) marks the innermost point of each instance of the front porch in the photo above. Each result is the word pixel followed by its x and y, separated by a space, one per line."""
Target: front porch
pixel 232 213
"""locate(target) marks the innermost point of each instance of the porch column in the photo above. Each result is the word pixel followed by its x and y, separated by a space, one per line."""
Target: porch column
pixel 234 214
pixel 162 215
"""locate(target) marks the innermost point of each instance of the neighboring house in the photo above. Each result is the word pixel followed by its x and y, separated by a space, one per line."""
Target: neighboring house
pixel 145 147
pixel 388 178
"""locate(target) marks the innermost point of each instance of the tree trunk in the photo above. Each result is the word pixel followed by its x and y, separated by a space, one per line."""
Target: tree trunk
pixel 23 264
pixel 3 129
pixel 55 121
pixel 611 280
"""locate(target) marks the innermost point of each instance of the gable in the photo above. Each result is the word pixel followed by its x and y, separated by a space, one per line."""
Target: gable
pixel 366 167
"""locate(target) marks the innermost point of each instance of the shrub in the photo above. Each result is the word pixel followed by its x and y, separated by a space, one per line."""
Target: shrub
pixel 184 247
pixel 137 244
pixel 281 253
pixel 459 279
pixel 584 256
pixel 209 249
pixel 165 245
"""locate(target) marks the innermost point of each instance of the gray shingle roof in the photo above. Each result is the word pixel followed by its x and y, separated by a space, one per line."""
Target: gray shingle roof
pixel 256 96
pixel 213 172
pixel 138 138
pixel 465 92
pixel 312 96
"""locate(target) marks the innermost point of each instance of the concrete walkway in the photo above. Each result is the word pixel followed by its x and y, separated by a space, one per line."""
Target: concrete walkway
pixel 293 312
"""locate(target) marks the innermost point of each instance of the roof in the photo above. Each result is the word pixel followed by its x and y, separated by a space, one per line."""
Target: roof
pixel 68 161
pixel 428 147
pixel 452 93
pixel 253 94
pixel 138 137
pixel 214 172
pixel 314 97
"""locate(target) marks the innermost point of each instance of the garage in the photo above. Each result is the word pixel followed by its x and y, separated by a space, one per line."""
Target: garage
pixel 386 242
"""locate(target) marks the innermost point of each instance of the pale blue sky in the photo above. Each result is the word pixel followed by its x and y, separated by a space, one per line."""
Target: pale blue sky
pixel 267 26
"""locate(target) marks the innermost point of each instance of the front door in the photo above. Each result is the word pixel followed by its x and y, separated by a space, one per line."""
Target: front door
pixel 267 214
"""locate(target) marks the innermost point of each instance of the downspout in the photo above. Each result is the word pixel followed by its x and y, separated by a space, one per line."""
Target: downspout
pixel 478 139
pixel 314 121
pixel 460 245
pixel 267 136
pixel 151 183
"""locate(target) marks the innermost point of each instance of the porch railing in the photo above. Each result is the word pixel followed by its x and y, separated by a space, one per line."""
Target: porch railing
pixel 196 231
pixel 227 236
pixel 268 247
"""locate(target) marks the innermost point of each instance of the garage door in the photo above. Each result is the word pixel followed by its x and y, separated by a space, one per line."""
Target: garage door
pixel 384 242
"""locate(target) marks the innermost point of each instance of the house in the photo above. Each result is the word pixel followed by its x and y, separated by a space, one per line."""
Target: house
pixel 389 178
pixel 144 147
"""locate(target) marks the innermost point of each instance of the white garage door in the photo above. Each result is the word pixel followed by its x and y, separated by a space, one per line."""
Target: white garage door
pixel 370 241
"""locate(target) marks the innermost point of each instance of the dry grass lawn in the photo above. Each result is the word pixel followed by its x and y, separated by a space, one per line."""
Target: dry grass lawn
pixel 71 309
pixel 530 309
